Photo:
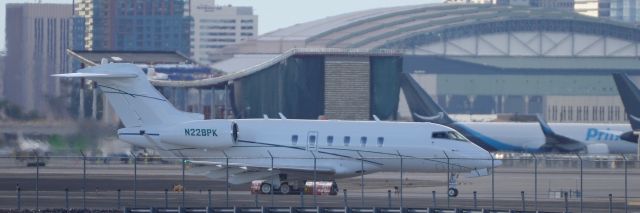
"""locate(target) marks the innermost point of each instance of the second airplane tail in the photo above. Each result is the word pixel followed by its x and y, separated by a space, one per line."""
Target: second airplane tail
pixel 630 96
pixel 421 105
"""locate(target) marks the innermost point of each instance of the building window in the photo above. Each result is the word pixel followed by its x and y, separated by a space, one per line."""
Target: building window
pixel 585 110
pixel 347 140
pixel 594 113
pixel 602 113
pixel 570 113
pixel 330 140
pixel 578 113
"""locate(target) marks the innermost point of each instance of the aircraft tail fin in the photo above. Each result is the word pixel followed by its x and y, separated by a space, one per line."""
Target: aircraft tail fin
pixel 421 105
pixel 134 99
pixel 630 96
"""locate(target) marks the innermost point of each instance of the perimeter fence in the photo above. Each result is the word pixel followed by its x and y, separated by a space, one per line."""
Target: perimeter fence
pixel 575 183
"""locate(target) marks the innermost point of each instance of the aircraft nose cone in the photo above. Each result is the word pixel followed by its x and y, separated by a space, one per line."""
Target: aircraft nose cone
pixel 486 159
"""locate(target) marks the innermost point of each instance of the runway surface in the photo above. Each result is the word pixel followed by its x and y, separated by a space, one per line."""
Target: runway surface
pixel 103 181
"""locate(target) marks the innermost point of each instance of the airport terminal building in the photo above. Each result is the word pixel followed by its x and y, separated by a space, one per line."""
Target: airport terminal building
pixel 473 59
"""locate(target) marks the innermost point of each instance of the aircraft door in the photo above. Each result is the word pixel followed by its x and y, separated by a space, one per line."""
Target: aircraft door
pixel 312 140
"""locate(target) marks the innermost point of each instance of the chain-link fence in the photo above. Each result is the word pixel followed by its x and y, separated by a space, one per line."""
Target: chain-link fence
pixel 576 183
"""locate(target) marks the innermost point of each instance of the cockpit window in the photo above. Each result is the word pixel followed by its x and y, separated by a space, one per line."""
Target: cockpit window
pixel 441 135
pixel 452 135
pixel 456 136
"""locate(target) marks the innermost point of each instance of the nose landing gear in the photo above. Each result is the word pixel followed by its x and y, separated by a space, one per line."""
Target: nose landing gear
pixel 453 190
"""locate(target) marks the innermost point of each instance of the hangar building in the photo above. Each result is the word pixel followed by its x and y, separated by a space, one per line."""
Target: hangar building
pixel 474 59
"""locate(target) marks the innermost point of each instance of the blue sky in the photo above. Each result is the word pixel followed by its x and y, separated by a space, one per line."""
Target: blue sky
pixel 272 14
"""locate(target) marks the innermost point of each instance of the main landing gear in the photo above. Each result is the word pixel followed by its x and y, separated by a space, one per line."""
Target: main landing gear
pixel 453 190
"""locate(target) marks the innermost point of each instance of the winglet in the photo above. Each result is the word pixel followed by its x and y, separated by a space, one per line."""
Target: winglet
pixel 556 142
pixel 546 129
pixel 282 116
pixel 375 117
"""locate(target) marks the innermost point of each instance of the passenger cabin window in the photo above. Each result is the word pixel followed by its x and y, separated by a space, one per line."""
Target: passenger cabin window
pixel 347 140
pixel 329 140
pixel 380 141
pixel 294 139
pixel 451 135
pixel 363 141
pixel 312 140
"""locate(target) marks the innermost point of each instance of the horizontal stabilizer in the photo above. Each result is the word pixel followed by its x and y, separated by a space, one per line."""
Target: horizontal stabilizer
pixel 95 75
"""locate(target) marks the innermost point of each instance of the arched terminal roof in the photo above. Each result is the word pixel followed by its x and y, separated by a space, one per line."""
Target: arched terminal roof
pixel 402 27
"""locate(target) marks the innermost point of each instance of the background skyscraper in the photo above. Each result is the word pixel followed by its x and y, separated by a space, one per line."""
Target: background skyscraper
pixel 37 37
pixel 134 25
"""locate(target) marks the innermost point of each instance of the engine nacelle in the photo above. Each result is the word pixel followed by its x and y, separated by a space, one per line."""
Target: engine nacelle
pixel 208 134
pixel 598 148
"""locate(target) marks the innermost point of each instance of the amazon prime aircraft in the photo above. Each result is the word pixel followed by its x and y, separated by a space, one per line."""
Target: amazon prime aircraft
pixel 287 150
pixel 519 136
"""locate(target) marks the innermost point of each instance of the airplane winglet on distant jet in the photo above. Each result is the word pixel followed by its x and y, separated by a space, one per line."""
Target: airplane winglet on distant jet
pixel 557 142
pixel 630 96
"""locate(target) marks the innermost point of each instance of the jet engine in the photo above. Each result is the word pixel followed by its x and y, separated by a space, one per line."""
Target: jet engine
pixel 207 134
pixel 598 148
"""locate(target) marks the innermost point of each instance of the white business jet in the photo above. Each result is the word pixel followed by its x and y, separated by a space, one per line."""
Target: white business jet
pixel 281 149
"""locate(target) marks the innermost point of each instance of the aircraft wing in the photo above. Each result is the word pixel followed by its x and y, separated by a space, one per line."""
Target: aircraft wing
pixel 94 75
pixel 558 143
pixel 240 173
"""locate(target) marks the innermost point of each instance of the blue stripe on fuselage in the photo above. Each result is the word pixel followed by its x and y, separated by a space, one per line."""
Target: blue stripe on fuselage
pixel 487 141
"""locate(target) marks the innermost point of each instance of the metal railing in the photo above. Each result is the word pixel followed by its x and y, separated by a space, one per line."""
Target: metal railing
pixel 523 182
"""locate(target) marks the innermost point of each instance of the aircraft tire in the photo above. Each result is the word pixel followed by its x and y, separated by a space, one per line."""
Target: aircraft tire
pixel 453 192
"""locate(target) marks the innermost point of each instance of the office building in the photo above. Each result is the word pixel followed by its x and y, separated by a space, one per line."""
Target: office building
pixel 134 25
pixel 36 41
pixel 215 27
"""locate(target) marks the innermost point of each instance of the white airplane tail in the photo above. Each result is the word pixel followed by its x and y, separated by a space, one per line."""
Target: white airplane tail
pixel 134 99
